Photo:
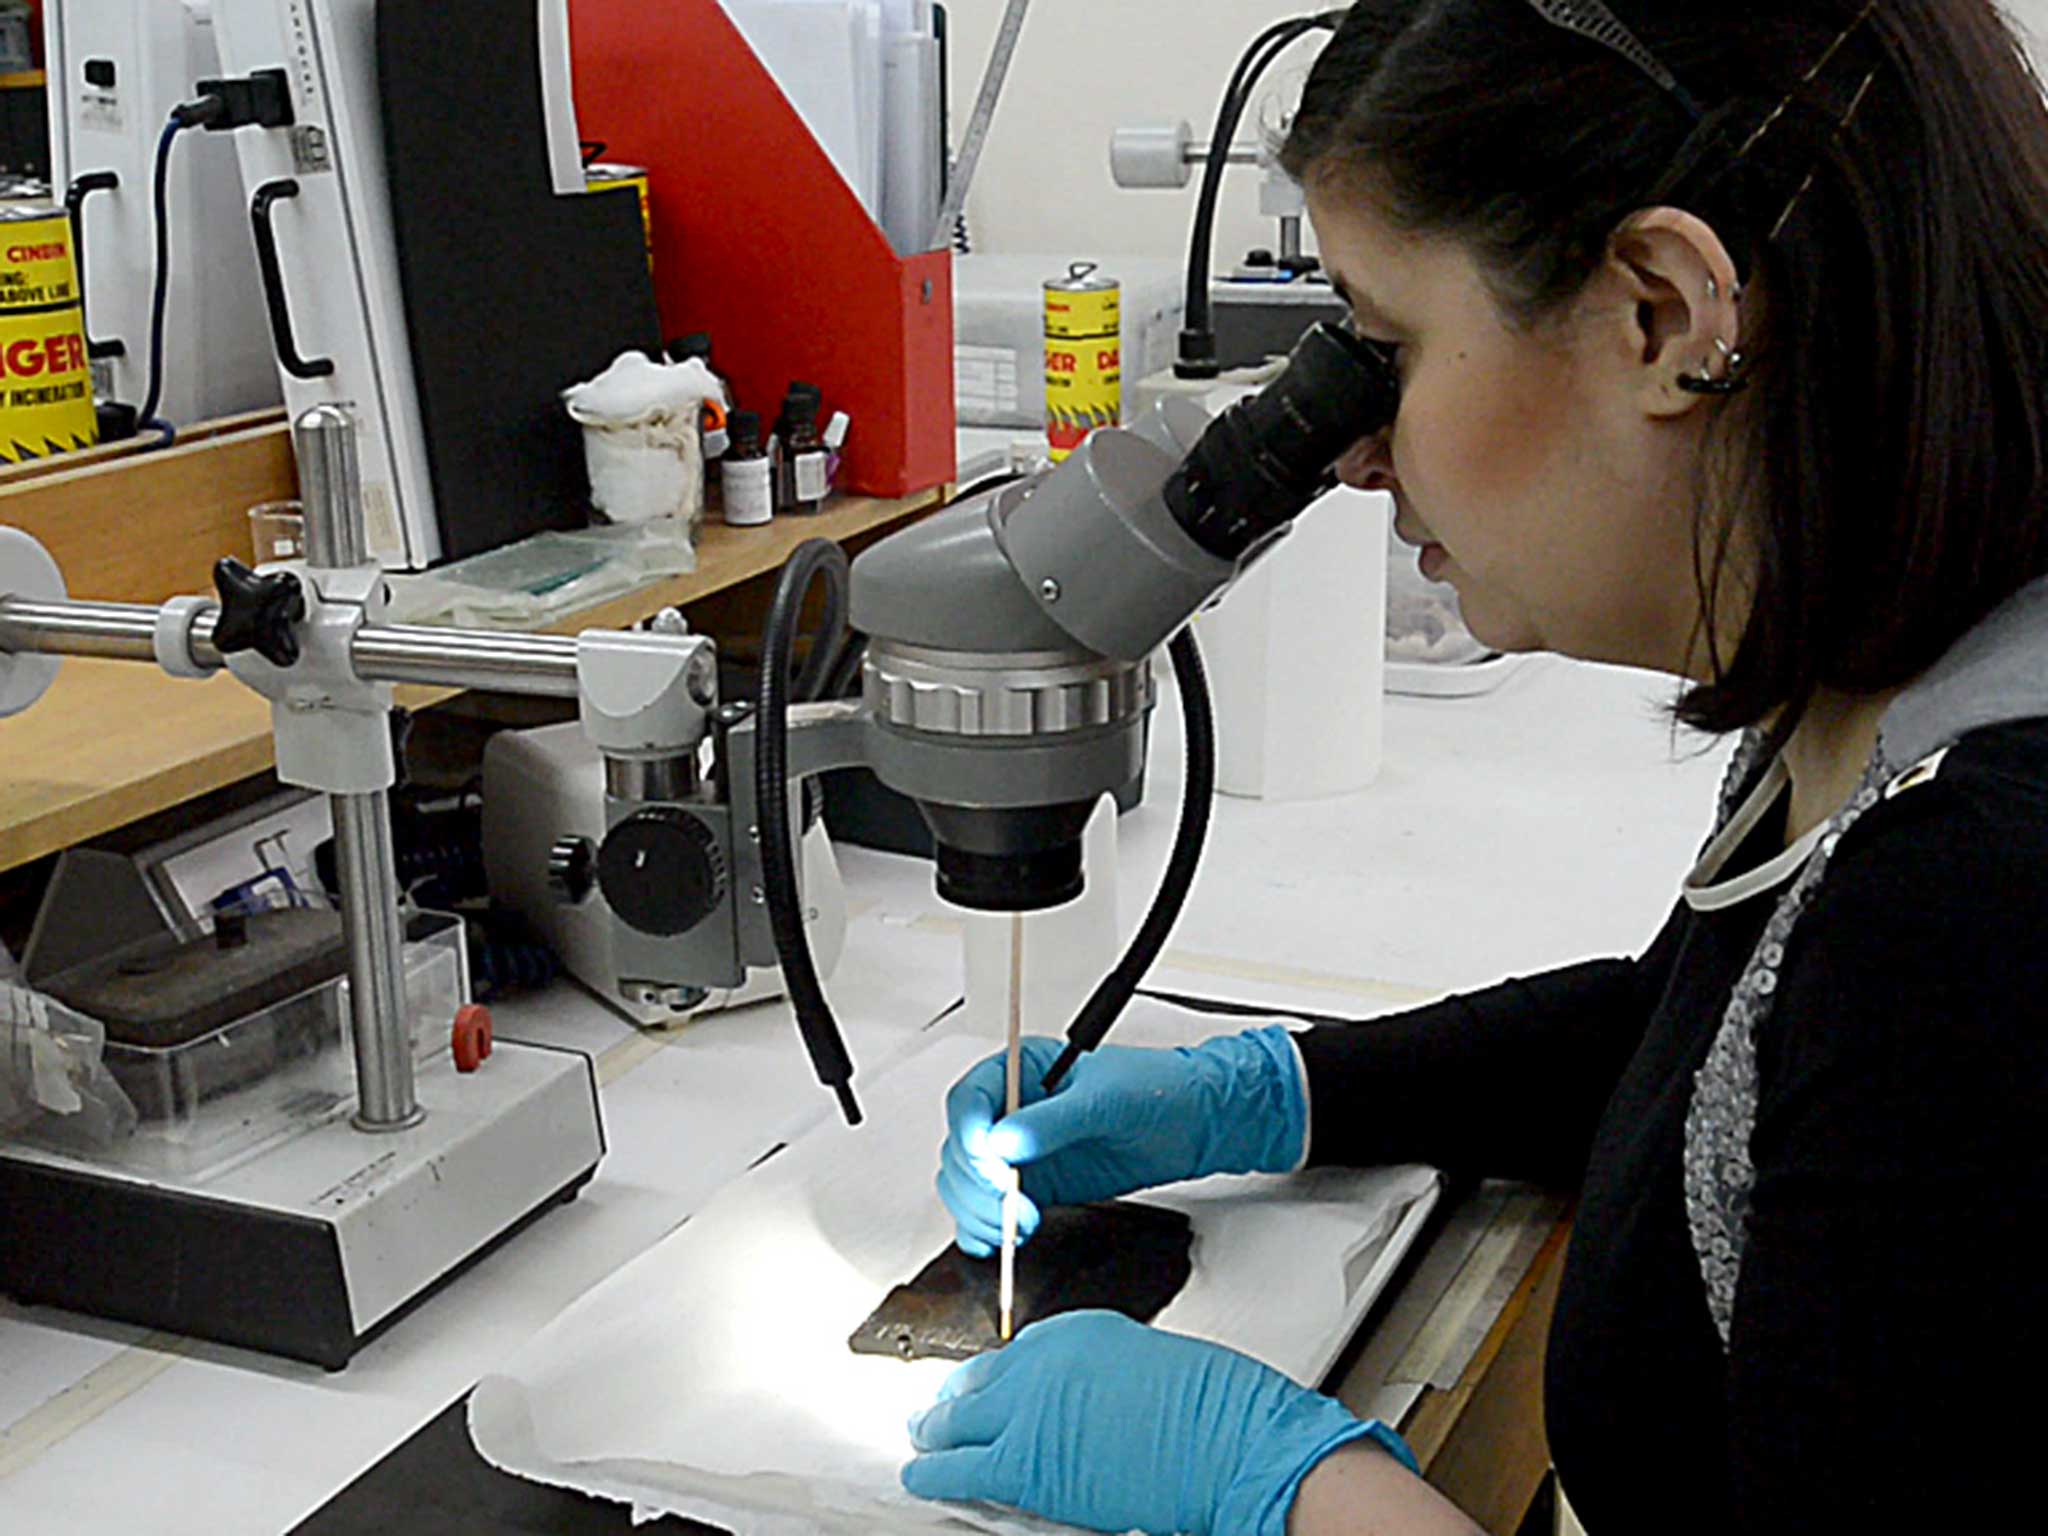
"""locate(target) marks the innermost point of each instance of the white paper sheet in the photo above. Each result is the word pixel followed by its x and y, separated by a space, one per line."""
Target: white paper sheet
pixel 711 1378
pixel 826 56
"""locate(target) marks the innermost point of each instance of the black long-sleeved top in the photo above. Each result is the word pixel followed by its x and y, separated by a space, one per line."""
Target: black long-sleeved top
pixel 1889 1338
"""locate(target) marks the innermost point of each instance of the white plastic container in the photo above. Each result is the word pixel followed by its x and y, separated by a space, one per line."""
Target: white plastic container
pixel 642 441
pixel 1296 656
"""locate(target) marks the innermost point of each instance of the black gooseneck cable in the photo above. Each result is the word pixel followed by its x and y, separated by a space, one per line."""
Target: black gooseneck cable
pixel 1198 334
pixel 1114 992
pixel 812 559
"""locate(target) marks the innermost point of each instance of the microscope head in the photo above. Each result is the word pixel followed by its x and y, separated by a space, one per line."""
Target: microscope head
pixel 1008 674
pixel 1001 727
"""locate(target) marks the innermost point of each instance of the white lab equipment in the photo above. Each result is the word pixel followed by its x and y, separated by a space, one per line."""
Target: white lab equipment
pixel 547 784
pixel 1297 657
pixel 116 68
pixel 321 212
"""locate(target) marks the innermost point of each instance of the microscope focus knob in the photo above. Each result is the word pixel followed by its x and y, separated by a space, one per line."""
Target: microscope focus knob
pixel 572 869
pixel 662 871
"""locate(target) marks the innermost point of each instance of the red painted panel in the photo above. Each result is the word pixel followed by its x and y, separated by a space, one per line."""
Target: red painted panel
pixel 759 241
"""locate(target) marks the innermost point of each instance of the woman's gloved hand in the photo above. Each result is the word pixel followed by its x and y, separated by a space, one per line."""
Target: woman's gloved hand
pixel 1123 1119
pixel 1098 1421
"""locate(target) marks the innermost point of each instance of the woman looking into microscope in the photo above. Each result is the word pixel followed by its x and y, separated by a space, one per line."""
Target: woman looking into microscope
pixel 1720 340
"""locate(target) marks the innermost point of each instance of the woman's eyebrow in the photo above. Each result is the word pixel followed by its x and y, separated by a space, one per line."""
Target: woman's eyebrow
pixel 1359 303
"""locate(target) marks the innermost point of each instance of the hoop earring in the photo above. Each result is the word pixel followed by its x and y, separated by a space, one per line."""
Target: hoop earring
pixel 1733 380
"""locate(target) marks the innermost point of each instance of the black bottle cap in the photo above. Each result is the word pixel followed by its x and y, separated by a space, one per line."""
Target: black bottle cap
pixel 696 344
pixel 799 409
pixel 743 434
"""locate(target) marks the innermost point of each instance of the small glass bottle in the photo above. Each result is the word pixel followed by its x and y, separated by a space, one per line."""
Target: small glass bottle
pixel 745 475
pixel 802 473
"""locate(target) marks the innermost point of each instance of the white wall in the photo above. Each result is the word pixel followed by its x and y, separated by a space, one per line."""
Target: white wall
pixel 2032 17
pixel 1084 67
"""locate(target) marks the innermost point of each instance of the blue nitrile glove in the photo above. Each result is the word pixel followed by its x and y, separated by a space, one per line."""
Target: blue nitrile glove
pixel 1098 1421
pixel 1123 1119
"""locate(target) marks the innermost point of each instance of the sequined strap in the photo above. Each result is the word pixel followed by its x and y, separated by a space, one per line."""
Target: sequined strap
pixel 1719 1174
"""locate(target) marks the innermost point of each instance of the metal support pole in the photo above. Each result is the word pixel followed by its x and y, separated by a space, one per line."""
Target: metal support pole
pixel 366 865
pixel 1290 237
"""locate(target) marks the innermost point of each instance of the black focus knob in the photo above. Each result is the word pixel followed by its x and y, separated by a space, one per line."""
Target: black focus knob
pixel 662 871
pixel 572 869
pixel 257 613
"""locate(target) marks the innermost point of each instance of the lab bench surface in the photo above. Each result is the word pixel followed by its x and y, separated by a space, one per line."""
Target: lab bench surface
pixel 1545 823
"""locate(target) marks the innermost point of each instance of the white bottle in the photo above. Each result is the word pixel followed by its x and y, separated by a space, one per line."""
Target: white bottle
pixel 745 473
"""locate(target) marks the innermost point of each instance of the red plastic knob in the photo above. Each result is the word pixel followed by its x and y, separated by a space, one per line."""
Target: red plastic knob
pixel 472 1036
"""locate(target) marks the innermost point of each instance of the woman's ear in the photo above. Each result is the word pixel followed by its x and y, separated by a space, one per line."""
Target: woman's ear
pixel 1684 321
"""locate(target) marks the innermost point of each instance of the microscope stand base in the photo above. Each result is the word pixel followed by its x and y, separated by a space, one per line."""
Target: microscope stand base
pixel 313 1245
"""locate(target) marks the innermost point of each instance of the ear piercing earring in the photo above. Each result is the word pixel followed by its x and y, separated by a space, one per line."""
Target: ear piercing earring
pixel 1731 379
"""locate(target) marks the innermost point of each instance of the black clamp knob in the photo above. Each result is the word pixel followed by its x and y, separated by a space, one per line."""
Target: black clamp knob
pixel 572 869
pixel 662 871
pixel 258 613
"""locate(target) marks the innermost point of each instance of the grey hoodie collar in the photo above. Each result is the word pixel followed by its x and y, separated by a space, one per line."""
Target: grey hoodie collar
pixel 1996 673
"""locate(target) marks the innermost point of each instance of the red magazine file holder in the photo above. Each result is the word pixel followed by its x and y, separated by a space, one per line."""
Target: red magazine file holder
pixel 759 241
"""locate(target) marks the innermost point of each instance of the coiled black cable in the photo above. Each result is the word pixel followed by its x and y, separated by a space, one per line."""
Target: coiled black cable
pixel 499 965
pixel 1114 992
pixel 813 558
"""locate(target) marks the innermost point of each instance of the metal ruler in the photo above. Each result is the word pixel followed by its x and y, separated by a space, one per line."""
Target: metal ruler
pixel 977 125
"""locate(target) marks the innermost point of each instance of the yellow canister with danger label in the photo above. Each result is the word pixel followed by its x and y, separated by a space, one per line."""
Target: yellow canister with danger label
pixel 46 403
pixel 1084 376
pixel 602 176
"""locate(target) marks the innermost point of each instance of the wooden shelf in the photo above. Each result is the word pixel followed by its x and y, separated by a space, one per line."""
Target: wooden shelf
pixel 115 741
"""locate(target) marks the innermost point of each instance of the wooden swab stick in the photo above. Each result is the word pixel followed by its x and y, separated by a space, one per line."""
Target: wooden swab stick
pixel 1013 1086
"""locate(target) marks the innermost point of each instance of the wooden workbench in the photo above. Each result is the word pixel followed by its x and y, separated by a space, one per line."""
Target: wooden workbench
pixel 1481 1441
pixel 115 741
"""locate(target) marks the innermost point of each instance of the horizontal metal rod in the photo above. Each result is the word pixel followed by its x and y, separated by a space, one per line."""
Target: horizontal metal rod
pixel 109 631
pixel 544 665
pixel 1238 154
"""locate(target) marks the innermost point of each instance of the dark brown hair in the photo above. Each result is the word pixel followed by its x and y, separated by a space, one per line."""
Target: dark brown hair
pixel 1897 458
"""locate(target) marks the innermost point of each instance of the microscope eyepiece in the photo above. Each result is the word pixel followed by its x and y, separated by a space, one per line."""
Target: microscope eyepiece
pixel 1266 457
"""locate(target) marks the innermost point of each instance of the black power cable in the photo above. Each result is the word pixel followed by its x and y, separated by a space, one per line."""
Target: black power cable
pixel 1198 334
pixel 192 114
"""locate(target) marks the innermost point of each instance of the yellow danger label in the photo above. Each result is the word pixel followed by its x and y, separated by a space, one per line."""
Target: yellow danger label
pixel 1083 365
pixel 46 403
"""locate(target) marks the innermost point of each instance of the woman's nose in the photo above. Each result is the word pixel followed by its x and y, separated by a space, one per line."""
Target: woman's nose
pixel 1367 464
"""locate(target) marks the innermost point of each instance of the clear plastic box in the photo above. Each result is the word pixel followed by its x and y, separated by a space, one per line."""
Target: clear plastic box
pixel 291 1066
